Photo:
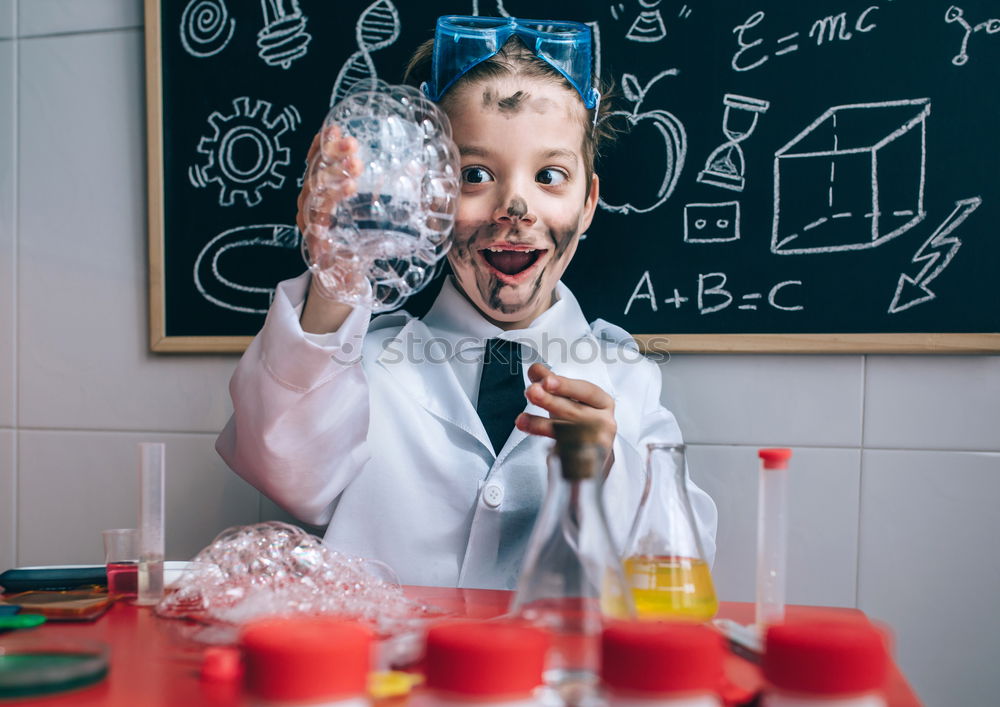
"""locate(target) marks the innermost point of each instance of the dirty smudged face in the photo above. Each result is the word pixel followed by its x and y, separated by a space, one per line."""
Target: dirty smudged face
pixel 525 194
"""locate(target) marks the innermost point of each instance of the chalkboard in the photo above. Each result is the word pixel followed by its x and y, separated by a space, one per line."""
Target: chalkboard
pixel 814 176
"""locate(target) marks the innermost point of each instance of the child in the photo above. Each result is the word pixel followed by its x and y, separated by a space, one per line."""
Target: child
pixel 397 431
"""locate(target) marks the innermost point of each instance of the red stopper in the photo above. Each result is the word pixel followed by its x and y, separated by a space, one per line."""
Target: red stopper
pixel 476 658
pixel 826 657
pixel 221 664
pixel 306 658
pixel 659 658
pixel 775 458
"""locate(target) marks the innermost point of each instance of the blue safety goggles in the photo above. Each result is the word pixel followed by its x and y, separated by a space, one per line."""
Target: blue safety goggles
pixel 461 42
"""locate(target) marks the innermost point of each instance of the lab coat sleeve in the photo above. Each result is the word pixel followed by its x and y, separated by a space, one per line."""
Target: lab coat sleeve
pixel 657 424
pixel 300 409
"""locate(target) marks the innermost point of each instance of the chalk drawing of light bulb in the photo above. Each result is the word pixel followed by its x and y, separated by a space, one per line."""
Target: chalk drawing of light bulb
pixel 648 26
pixel 283 38
pixel 206 27
pixel 725 166
pixel 646 131
pixel 377 28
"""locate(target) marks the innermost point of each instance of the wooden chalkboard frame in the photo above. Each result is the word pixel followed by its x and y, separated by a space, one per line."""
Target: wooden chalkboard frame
pixel 160 342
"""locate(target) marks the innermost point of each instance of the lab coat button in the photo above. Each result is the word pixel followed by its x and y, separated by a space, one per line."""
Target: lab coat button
pixel 493 495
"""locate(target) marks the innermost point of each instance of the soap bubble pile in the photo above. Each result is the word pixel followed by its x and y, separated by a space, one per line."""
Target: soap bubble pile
pixel 386 241
pixel 274 569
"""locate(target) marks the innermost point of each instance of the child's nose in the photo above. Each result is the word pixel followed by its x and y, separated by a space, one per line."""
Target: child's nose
pixel 514 211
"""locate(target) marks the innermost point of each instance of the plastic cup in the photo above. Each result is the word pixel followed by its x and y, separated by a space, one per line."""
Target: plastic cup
pixel 121 560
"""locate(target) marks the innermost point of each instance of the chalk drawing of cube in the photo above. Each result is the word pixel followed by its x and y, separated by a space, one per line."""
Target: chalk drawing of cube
pixel 851 180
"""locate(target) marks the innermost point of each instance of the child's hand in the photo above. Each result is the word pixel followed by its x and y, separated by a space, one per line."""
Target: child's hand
pixel 333 166
pixel 567 399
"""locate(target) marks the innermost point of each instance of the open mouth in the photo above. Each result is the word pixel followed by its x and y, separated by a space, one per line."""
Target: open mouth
pixel 510 262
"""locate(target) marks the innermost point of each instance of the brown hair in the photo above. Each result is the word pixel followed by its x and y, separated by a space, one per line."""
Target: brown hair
pixel 515 59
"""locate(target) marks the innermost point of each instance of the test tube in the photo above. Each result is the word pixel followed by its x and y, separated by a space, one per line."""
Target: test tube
pixel 772 536
pixel 150 523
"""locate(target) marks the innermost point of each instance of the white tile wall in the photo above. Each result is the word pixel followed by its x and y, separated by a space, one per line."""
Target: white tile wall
pixel 8 164
pixel 63 16
pixel 8 19
pixel 929 567
pixel 8 499
pixel 822 519
pixel 766 400
pixel 925 402
pixel 75 484
pixel 84 356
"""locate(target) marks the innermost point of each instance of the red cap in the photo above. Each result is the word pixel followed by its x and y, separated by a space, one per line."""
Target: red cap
pixel 479 658
pixel 221 663
pixel 775 458
pixel 661 657
pixel 305 658
pixel 826 656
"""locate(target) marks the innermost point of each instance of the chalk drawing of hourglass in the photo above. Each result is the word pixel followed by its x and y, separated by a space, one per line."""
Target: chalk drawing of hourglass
pixel 725 167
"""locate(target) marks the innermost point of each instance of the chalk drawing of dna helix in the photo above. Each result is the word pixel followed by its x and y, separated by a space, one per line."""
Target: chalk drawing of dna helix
pixel 377 28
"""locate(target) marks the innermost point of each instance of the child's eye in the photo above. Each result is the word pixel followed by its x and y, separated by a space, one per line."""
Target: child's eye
pixel 551 177
pixel 476 175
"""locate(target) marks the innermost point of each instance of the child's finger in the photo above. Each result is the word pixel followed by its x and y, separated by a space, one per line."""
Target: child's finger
pixel 534 425
pixel 538 371
pixel 557 406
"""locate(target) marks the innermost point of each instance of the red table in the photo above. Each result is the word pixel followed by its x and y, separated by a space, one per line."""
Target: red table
pixel 153 664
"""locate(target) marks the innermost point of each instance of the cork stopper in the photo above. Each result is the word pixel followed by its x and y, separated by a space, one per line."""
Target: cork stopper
pixel 578 449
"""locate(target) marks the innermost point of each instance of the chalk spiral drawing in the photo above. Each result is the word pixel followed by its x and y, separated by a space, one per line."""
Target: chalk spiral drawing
pixel 957 15
pixel 206 27
pixel 250 131
pixel 725 166
pixel 283 38
pixel 674 141
pixel 857 192
pixel 935 253
pixel 224 292
pixel 377 28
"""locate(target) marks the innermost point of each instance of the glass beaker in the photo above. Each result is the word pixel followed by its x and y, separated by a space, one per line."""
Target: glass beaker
pixel 572 577
pixel 664 562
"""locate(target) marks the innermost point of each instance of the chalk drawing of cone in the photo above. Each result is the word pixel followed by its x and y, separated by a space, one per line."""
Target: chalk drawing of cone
pixel 377 28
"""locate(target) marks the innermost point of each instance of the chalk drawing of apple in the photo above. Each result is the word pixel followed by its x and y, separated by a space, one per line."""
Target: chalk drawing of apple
pixel 643 133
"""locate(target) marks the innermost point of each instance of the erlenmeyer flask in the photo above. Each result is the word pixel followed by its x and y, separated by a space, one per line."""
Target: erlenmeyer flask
pixel 572 576
pixel 664 562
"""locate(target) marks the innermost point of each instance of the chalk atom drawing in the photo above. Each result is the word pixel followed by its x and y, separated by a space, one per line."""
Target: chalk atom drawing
pixel 244 153
pixel 726 166
pixel 957 15
pixel 210 276
pixel 206 27
pixel 377 28
pixel 712 223
pixel 283 39
pixel 935 254
pixel 855 177
pixel 674 143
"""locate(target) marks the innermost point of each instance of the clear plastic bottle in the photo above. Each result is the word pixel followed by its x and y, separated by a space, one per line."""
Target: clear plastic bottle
pixel 318 661
pixel 824 663
pixel 572 577
pixel 772 536
pixel 492 663
pixel 664 562
pixel 661 664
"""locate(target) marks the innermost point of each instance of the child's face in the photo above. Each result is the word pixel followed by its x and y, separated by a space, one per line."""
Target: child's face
pixel 525 194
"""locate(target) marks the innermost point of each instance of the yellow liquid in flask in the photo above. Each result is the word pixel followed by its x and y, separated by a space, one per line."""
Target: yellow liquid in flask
pixel 671 587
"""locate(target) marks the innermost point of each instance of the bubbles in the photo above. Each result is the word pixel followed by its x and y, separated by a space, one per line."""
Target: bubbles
pixel 274 568
pixel 385 242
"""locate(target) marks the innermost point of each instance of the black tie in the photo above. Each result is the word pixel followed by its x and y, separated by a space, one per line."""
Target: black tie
pixel 501 390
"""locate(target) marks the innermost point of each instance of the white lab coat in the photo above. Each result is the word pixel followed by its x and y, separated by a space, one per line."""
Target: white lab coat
pixel 389 449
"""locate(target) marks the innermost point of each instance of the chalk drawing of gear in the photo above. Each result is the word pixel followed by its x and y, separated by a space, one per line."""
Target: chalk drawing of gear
pixel 244 153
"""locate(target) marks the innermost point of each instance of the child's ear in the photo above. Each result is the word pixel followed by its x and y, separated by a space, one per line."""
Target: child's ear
pixel 590 205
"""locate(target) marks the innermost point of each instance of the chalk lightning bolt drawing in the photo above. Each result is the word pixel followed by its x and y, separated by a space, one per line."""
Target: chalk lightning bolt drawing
pixel 377 28
pixel 935 253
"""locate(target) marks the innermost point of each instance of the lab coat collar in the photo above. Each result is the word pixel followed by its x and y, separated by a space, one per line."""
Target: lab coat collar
pixel 418 356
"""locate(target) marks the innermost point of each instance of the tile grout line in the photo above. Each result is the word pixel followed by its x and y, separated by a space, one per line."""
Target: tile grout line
pixel 861 479
pixel 73 33
pixel 15 283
